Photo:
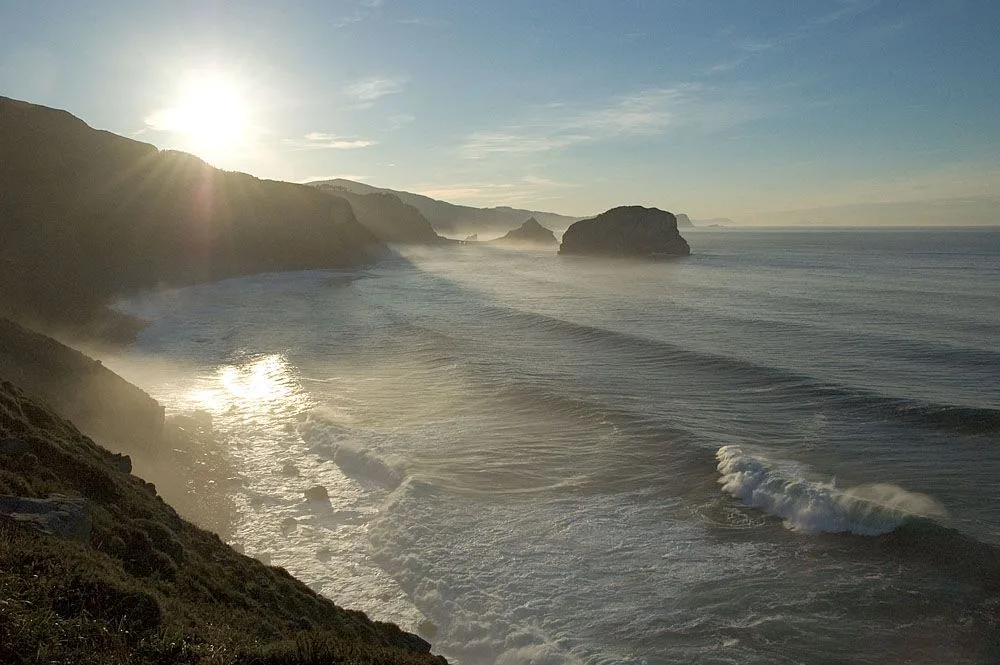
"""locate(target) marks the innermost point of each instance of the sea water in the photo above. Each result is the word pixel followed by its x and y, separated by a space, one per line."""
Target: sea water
pixel 782 449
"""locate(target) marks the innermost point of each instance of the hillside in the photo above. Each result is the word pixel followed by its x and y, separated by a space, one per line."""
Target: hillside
pixel 458 219
pixel 387 217
pixel 96 569
pixel 88 215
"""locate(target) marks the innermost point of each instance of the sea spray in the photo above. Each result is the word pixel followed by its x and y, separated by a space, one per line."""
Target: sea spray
pixel 815 507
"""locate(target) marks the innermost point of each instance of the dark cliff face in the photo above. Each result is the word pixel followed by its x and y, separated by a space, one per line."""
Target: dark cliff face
pixel 388 218
pixel 529 233
pixel 628 231
pixel 87 215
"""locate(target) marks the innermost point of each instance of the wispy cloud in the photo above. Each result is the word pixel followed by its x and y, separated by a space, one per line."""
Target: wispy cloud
pixel 426 22
pixel 644 113
pixel 326 141
pixel 399 121
pixel 516 140
pixel 751 48
pixel 370 89
pixel 360 11
pixel 539 181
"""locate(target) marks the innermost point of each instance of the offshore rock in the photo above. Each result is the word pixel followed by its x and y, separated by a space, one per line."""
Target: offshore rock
pixel 627 231
pixel 529 233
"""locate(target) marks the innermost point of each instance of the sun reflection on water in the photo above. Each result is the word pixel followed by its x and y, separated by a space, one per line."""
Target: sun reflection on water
pixel 265 384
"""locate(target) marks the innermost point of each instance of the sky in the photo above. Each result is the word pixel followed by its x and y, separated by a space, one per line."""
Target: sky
pixel 762 111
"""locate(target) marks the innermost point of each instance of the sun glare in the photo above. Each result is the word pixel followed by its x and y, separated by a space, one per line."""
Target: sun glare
pixel 210 114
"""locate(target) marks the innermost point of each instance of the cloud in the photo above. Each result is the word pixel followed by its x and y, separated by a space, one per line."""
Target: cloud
pixel 324 140
pixel 399 121
pixel 426 22
pixel 516 140
pixel 370 89
pixel 644 113
pixel 752 47
pixel 546 182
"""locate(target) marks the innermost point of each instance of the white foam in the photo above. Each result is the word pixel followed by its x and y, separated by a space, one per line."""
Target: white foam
pixel 339 444
pixel 815 507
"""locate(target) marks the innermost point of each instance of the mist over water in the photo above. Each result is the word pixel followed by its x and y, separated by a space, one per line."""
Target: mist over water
pixel 754 455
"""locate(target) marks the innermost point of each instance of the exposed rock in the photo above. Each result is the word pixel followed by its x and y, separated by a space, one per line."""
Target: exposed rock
pixel 288 525
pixel 290 470
pixel 58 515
pixel 529 233
pixel 317 493
pixel 628 231
pixel 473 238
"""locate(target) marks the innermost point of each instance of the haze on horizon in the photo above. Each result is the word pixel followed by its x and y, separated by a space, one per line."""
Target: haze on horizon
pixel 818 112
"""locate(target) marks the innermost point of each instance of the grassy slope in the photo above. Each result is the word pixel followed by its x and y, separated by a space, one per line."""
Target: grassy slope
pixel 149 587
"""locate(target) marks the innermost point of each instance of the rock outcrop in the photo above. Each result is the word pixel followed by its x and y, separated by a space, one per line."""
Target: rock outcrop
pixel 89 216
pixel 628 231
pixel 529 233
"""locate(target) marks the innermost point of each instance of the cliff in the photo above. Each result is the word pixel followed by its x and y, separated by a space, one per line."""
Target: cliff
pixel 96 569
pixel 88 216
pixel 627 231
pixel 457 219
pixel 389 219
pixel 529 233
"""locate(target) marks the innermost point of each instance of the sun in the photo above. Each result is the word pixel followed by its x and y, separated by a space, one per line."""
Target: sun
pixel 210 115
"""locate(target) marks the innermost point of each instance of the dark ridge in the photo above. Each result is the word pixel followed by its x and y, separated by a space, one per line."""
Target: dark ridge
pixel 452 218
pixel 88 216
pixel 389 219
pixel 123 579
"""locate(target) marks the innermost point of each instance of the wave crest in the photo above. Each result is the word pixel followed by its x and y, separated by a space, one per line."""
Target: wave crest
pixel 338 444
pixel 815 507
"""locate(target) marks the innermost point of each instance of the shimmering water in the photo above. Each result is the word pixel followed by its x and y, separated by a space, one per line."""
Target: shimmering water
pixel 781 449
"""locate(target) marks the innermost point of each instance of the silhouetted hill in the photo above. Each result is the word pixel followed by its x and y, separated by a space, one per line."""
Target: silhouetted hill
pixel 388 218
pixel 529 233
pixel 88 215
pixel 458 219
pixel 96 569
pixel 626 231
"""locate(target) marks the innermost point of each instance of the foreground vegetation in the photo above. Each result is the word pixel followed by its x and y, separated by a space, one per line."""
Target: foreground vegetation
pixel 145 586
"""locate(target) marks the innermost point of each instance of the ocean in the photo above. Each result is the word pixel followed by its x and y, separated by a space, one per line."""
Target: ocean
pixel 784 448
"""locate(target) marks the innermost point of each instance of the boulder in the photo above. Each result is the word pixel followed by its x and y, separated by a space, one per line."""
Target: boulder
pixel 58 515
pixel 529 233
pixel 317 493
pixel 627 231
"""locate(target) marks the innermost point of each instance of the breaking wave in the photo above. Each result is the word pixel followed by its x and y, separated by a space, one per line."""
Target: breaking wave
pixel 336 443
pixel 805 505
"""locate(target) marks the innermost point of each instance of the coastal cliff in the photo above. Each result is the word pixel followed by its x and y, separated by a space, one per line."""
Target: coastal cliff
pixel 627 231
pixel 89 216
pixel 96 568
pixel 389 219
